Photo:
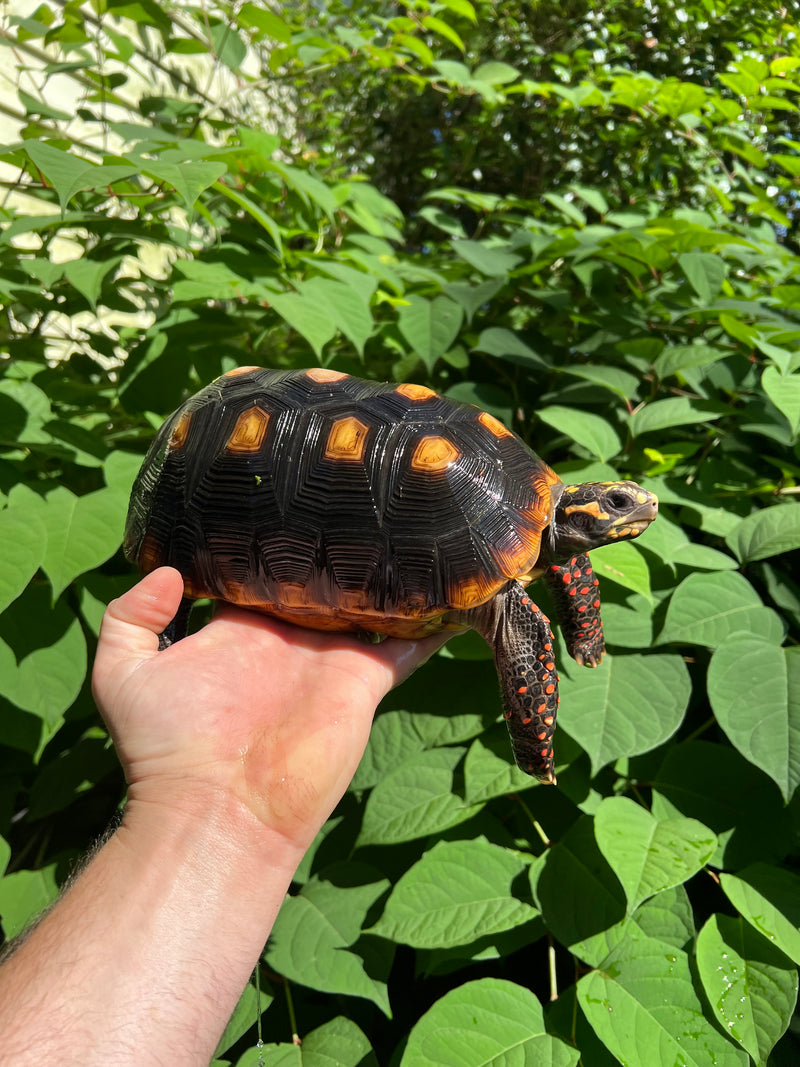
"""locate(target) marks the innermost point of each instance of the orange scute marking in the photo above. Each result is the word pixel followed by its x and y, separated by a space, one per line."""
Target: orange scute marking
pixel 434 454
pixel 415 392
pixel 323 374
pixel 493 425
pixel 249 431
pixel 347 439
pixel 239 370
pixel 181 431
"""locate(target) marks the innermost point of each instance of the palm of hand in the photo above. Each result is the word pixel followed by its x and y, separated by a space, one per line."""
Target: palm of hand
pixel 274 715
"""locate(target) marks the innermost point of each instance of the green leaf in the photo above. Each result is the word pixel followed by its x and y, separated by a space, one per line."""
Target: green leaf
pixel 491 260
pixel 265 21
pixel 337 1043
pixel 82 532
pixel 706 273
pixel 706 608
pixel 677 358
pixel 24 540
pixel 769 899
pixel 430 326
pixel 440 27
pixel 42 659
pixel 624 564
pixel 496 73
pixel 188 180
pixel 505 344
pixel 766 533
pixel 87 276
pixel 459 891
pixel 23 895
pixel 628 705
pixel 643 1007
pixel 784 392
pixel 589 430
pixel 307 317
pixel 489 1021
pixel 488 772
pixel 615 379
pixel 648 855
pixel 578 892
pixel 662 414
pixel 754 689
pixel 750 984
pixel 314 930
pixel 69 174
pixel 416 799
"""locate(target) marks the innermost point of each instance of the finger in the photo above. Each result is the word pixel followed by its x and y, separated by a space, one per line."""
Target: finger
pixel 133 621
pixel 404 657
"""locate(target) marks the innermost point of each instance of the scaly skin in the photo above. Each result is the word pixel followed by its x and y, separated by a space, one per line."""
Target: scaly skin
pixel 574 591
pixel 519 633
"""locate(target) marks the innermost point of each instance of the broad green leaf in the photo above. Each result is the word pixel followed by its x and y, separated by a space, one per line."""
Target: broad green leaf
pixel 416 799
pixel 488 771
pixel 187 179
pixel 306 316
pixel 430 326
pixel 648 855
pixel 769 532
pixel 750 984
pixel 617 380
pixel 505 344
pixel 578 893
pixel 87 276
pixel 663 414
pixel 670 543
pixel 706 273
pixel 344 307
pixel 667 916
pixel 706 608
pixel 769 899
pixel 338 1043
pixel 23 895
pixel 712 782
pixel 69 174
pixel 754 689
pixel 589 430
pixel 496 73
pixel 24 541
pixel 82 532
pixel 5 855
pixel 459 891
pixel 677 358
pixel 628 705
pixel 491 260
pixel 624 564
pixel 265 21
pixel 489 1021
pixel 441 28
pixel 43 671
pixel 473 295
pixel 314 930
pixel 643 1007
pixel 784 392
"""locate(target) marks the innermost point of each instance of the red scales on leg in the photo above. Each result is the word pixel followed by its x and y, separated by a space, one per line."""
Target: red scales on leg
pixel 574 590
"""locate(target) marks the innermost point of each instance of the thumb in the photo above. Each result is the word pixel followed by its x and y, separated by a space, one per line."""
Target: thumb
pixel 132 622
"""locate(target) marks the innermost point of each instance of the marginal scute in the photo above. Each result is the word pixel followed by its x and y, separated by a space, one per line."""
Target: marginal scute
pixel 249 432
pixel 493 425
pixel 181 431
pixel 470 592
pixel 324 374
pixel 433 454
pixel 347 439
pixel 415 392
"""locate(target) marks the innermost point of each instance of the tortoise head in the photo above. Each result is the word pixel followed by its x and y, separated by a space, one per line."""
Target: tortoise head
pixel 598 513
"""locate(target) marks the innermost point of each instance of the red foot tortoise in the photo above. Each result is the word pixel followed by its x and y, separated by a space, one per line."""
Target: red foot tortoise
pixel 341 504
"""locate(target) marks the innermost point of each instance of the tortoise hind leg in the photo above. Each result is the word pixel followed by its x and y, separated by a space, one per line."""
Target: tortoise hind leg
pixel 576 600
pixel 519 634
pixel 178 627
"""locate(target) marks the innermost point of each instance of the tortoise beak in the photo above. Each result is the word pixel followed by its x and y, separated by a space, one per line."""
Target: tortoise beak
pixel 639 518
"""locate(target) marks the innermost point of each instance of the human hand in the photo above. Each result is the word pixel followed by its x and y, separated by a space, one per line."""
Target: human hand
pixel 274 716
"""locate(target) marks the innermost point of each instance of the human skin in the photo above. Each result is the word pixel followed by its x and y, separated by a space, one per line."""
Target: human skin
pixel 237 743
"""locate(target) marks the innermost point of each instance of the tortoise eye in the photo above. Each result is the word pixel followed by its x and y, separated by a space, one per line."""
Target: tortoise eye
pixel 619 501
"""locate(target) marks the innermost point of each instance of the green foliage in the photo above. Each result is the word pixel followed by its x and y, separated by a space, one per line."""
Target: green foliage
pixel 583 221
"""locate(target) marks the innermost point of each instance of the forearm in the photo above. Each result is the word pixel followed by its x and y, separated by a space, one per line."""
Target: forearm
pixel 144 957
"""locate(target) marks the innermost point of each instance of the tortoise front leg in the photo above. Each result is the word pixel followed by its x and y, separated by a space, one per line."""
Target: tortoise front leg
pixel 519 633
pixel 574 591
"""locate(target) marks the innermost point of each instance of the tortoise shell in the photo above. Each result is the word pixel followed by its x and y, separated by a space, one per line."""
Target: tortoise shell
pixel 337 503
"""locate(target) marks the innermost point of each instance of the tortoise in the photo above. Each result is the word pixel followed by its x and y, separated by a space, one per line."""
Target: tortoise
pixel 349 505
